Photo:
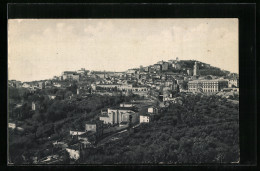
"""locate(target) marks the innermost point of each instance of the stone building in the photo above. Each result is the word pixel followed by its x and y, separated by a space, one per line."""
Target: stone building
pixel 196 69
pixel 207 86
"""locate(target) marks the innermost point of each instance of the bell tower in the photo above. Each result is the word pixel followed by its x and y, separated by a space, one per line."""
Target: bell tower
pixel 196 69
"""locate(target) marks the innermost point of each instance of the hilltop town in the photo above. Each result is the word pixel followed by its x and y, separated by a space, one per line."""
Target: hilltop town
pixel 93 116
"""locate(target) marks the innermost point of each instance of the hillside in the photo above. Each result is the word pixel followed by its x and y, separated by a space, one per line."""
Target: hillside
pixel 181 67
pixel 202 130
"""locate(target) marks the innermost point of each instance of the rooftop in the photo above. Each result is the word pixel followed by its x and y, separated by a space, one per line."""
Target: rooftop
pixel 69 72
pixel 104 116
pixel 124 108
pixel 215 80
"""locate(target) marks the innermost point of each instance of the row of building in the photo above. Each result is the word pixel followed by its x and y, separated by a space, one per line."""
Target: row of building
pixel 210 86
pixel 163 66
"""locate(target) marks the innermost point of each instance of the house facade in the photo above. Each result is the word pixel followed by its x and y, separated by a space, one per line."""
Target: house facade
pixel 116 116
pixel 207 85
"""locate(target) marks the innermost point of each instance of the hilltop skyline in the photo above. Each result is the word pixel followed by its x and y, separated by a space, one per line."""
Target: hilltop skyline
pixel 41 49
pixel 107 71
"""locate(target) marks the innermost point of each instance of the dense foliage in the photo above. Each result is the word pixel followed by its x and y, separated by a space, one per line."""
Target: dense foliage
pixel 204 129
pixel 52 119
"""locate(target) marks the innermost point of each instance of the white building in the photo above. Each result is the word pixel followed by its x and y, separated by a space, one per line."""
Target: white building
pixel 145 118
pixel 12 125
pixel 196 69
pixel 153 110
pixel 118 115
pixel 26 85
pixel 33 106
pixel 73 133
pixel 233 82
pixel 51 97
pixel 126 105
pixel 74 154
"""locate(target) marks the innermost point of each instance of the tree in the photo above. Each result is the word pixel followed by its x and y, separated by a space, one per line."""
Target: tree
pixel 68 94
pixel 208 77
pixel 57 128
pixel 14 93
pixel 66 157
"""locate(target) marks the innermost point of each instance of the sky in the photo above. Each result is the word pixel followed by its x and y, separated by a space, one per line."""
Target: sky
pixel 42 48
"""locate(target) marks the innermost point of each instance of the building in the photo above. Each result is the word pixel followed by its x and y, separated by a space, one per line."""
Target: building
pixel 145 118
pixel 207 85
pixel 179 80
pixel 75 77
pixel 176 66
pixel 171 61
pixel 152 110
pixel 95 126
pixel 70 75
pixel 33 106
pixel 233 82
pixel 12 125
pixel 51 97
pixel 189 72
pixel 157 67
pixel 231 89
pixel 125 87
pixel 196 69
pixel 73 152
pixel 131 71
pixel 15 83
pixel 165 66
pixel 26 85
pixel 67 74
pixel 126 105
pixel 76 133
pixel 146 69
pixel 56 84
pixel 117 115
pixel 151 69
pixel 88 138
pixel 41 85
pixel 160 62
pixel 126 117
pixel 141 90
pixel 81 71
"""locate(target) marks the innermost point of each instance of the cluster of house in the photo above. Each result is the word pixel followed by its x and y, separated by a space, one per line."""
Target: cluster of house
pixel 71 75
pixel 155 80
pixel 14 83
pixel 141 90
pixel 118 117
pixel 152 112
pixel 86 138
pixel 211 86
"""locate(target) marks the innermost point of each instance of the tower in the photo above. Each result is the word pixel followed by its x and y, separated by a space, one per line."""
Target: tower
pixel 33 106
pixel 196 69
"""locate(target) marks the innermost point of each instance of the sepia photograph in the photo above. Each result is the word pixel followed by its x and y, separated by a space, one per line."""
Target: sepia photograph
pixel 140 91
